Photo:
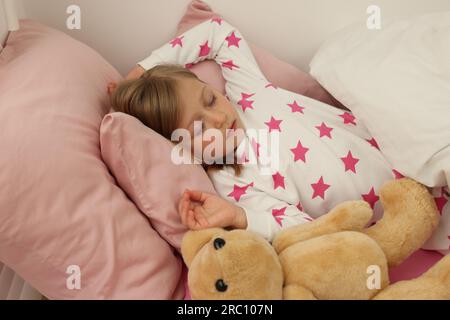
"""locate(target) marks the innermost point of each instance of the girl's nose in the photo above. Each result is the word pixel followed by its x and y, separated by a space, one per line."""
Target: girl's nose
pixel 218 119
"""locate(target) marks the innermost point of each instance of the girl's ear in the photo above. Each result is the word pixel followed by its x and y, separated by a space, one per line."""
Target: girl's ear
pixel 193 242
pixel 112 86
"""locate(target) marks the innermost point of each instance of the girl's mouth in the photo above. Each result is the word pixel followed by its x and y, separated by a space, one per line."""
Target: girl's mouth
pixel 231 129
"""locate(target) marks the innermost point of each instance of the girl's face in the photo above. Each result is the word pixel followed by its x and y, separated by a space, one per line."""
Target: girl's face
pixel 201 102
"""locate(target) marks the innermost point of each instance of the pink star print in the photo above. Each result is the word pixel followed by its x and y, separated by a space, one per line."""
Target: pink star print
pixel 233 40
pixel 373 143
pixel 278 181
pixel 300 206
pixel 348 118
pixel 274 124
pixel 397 174
pixel 319 188
pixel 350 162
pixel 217 20
pixel 255 146
pixel 177 42
pixel 204 50
pixel 271 85
pixel 299 152
pixel 371 198
pixel 245 103
pixel 244 158
pixel 324 130
pixel 238 192
pixel 295 107
pixel 441 201
pixel 278 214
pixel 247 95
pixel 229 64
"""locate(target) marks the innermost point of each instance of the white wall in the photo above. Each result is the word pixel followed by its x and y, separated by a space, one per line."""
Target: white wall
pixel 3 25
pixel 127 31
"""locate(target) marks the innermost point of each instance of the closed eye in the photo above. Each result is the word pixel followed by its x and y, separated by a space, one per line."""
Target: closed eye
pixel 213 101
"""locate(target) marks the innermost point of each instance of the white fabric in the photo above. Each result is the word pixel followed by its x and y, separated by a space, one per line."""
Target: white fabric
pixel 397 81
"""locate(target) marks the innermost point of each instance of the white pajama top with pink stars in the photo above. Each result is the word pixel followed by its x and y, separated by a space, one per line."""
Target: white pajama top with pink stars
pixel 326 156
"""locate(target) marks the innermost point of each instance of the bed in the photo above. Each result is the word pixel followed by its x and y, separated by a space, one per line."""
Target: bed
pixel 92 184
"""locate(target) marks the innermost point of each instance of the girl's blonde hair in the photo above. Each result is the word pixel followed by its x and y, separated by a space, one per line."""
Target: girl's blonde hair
pixel 154 100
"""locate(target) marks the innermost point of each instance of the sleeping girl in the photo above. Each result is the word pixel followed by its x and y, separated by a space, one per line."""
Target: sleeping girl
pixel 325 155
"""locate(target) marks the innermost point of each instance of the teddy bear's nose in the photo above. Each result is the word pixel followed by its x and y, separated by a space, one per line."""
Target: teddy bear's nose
pixel 218 243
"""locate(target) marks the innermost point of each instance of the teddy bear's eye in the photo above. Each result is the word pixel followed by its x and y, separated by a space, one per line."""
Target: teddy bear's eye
pixel 221 286
pixel 218 243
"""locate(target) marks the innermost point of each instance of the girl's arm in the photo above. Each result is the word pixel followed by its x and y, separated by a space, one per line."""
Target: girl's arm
pixel 267 216
pixel 251 209
pixel 213 39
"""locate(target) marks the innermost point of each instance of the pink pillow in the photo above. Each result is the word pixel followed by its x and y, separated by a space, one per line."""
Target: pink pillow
pixel 140 159
pixel 277 71
pixel 60 206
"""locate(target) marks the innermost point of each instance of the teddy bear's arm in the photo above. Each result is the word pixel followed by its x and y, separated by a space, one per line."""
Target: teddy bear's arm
pixel 347 216
pixel 409 219
pixel 297 292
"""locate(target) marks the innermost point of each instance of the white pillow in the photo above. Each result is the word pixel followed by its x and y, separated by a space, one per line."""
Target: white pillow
pixel 397 82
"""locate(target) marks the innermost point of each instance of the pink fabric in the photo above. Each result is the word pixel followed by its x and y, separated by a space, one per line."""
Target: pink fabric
pixel 140 159
pixel 277 71
pixel 59 204
pixel 418 263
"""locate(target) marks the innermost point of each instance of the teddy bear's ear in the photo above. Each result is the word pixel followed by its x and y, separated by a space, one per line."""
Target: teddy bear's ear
pixel 193 241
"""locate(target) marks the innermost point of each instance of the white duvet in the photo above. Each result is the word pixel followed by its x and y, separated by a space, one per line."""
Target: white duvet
pixel 397 82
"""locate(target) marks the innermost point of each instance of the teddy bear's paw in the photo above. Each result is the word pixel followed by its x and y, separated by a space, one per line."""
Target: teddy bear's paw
pixel 409 205
pixel 347 216
pixel 407 191
pixel 410 217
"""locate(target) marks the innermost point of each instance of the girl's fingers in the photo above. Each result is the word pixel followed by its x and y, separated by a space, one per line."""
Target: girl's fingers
pixel 191 223
pixel 198 195
pixel 185 203
pixel 192 205
pixel 183 213
pixel 200 217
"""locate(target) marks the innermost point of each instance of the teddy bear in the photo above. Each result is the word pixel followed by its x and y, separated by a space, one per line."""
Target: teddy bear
pixel 337 256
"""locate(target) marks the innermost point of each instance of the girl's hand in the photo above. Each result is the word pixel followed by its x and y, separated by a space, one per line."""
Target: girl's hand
pixel 200 210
